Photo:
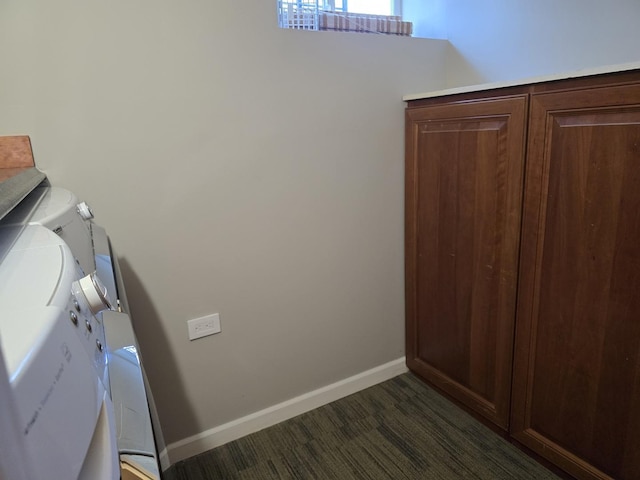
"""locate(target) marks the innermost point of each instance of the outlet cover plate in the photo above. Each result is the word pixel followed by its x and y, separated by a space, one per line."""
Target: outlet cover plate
pixel 204 326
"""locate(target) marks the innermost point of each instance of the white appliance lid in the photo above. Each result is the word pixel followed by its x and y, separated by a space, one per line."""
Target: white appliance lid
pixel 54 203
pixel 35 276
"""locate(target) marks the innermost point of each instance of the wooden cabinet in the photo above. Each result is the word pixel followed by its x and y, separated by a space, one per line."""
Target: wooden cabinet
pixel 572 386
pixel 463 204
pixel 577 365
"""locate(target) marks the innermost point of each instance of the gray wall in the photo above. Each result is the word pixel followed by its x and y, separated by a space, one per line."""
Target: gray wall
pixel 258 172
pixel 497 40
pixel 429 17
pixel 239 169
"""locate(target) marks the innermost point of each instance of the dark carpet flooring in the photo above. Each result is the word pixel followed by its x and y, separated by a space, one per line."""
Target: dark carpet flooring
pixel 399 429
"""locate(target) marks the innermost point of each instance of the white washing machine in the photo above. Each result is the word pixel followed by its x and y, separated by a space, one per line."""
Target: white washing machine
pixel 75 403
pixel 55 359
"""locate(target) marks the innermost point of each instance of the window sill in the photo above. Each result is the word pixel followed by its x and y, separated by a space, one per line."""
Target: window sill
pixel 363 23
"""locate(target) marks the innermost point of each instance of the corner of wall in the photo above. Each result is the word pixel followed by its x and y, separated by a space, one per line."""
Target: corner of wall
pixel 460 71
pixel 257 421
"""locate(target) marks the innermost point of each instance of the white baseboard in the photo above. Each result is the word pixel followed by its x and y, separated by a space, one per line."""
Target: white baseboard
pixel 255 422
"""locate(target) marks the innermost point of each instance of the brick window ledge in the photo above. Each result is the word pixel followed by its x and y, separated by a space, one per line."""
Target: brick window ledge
pixel 364 23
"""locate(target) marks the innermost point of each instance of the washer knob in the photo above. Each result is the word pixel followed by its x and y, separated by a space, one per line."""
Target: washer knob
pixel 85 211
pixel 95 293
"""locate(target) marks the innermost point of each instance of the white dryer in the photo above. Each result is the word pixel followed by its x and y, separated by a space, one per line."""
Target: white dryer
pixel 74 401
pixel 54 352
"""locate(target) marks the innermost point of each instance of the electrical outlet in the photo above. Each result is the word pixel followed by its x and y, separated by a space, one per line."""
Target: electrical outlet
pixel 203 326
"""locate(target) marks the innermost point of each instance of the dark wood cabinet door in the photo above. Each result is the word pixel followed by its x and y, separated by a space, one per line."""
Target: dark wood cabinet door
pixel 576 384
pixel 464 167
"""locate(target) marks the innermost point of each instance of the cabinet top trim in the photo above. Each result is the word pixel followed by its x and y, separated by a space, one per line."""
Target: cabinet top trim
pixel 525 81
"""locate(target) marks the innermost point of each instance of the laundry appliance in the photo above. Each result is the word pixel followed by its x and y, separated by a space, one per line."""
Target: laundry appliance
pixel 74 401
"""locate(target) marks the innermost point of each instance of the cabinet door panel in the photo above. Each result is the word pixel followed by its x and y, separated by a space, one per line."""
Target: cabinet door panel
pixel 464 188
pixel 576 396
